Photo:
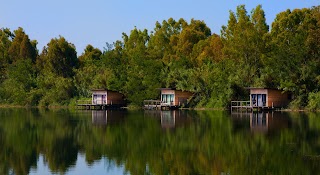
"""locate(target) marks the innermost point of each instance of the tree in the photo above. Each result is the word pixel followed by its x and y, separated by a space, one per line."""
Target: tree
pixel 90 55
pixel 208 50
pixel 22 47
pixel 243 40
pixel 59 57
pixel 191 34
pixel 19 84
pixel 292 57
pixel 5 42
pixel 90 64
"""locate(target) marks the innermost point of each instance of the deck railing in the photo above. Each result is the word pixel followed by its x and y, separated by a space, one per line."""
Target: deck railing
pixel 94 102
pixel 166 103
pixel 239 104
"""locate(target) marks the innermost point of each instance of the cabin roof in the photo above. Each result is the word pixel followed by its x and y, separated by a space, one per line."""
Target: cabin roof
pixel 102 90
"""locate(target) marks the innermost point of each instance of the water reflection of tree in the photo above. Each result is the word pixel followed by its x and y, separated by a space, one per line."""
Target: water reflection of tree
pixel 206 144
pixel 24 135
pixel 58 140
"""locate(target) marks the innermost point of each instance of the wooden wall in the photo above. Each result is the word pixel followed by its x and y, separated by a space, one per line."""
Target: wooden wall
pixel 274 97
pixel 278 98
pixel 181 97
pixel 115 98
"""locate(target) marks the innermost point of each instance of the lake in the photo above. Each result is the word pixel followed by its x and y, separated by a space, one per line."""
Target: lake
pixel 39 141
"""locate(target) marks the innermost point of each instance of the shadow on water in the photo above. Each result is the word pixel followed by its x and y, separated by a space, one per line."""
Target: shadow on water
pixel 158 142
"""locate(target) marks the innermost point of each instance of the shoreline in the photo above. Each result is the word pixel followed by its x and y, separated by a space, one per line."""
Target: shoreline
pixel 141 108
pixel 39 107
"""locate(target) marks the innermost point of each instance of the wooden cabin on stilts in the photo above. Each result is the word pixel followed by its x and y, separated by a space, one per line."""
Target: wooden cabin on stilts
pixel 263 99
pixel 103 99
pixel 170 98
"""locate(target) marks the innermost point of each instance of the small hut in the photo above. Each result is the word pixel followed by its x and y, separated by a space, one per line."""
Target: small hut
pixel 174 98
pixel 107 97
pixel 269 97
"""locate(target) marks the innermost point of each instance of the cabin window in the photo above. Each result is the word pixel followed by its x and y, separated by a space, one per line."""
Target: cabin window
pixel 264 99
pixel 167 98
pixel 94 99
pixel 103 100
pixel 254 99
pixel 99 99
pixel 258 99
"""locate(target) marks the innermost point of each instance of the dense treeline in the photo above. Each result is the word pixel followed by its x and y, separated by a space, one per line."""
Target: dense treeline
pixel 177 54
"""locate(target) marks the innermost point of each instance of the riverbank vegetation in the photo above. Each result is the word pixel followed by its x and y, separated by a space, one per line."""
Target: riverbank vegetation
pixel 176 54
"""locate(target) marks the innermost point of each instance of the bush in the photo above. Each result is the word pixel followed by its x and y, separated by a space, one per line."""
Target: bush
pixel 313 101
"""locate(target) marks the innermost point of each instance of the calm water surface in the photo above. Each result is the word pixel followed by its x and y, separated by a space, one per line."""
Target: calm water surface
pixel 36 141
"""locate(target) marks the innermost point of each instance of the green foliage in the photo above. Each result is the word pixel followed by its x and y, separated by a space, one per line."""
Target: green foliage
pixel 55 90
pixel 19 84
pixel 244 43
pixel 5 42
pixel 21 47
pixel 314 101
pixel 59 57
pixel 176 54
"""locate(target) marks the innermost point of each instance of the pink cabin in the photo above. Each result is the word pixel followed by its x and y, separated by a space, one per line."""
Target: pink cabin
pixel 107 97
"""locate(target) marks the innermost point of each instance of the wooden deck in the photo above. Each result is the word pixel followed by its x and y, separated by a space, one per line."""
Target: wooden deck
pixel 241 105
pixel 158 104
pixel 246 106
pixel 88 105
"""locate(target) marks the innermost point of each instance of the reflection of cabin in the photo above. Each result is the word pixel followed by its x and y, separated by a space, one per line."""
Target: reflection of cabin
pixel 104 117
pixel 261 122
pixel 264 98
pixel 170 98
pixel 168 119
pixel 102 98
pixel 99 117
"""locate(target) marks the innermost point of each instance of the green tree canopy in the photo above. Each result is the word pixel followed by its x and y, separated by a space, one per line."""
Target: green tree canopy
pixel 21 47
pixel 59 57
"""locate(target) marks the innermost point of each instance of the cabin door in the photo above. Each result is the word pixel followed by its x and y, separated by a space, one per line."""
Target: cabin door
pixel 103 99
pixel 254 99
pixel 261 99
pixel 99 99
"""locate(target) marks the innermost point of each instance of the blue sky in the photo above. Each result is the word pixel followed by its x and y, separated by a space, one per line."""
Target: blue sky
pixel 96 22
